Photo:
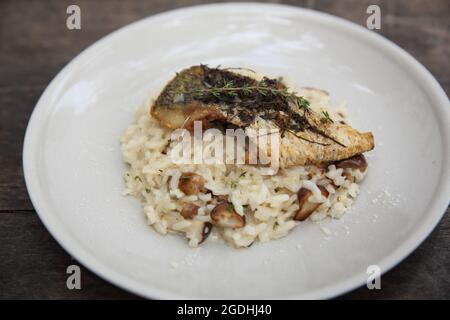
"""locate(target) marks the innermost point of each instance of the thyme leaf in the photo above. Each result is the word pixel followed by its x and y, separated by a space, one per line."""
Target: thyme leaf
pixel 228 89
pixel 326 117
pixel 243 174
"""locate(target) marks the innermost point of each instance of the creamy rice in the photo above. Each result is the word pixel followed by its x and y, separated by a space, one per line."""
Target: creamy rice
pixel 268 203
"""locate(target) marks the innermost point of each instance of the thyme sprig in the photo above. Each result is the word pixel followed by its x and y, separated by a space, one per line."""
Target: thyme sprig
pixel 229 90
pixel 267 98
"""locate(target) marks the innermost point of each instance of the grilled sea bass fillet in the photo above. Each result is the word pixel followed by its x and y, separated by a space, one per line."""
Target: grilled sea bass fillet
pixel 223 98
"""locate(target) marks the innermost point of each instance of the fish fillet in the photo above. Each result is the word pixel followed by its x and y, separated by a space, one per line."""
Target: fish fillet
pixel 226 98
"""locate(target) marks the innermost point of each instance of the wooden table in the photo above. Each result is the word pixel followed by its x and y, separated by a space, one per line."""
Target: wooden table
pixel 35 44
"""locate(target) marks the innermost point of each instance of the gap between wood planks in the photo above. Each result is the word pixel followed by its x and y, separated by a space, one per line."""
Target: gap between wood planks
pixel 17 211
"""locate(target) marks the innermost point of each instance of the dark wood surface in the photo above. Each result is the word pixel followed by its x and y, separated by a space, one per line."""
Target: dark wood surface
pixel 35 45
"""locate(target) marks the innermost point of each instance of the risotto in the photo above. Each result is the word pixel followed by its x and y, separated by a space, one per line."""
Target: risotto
pixel 237 203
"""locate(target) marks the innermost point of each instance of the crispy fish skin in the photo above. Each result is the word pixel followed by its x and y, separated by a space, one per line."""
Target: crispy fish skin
pixel 174 110
pixel 332 141
pixel 295 151
pixel 171 108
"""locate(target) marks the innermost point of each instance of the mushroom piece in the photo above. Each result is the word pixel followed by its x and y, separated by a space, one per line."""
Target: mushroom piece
pixel 356 162
pixel 191 183
pixel 224 215
pixel 217 199
pixel 198 232
pixel 307 207
pixel 189 210
pixel 348 176
pixel 206 230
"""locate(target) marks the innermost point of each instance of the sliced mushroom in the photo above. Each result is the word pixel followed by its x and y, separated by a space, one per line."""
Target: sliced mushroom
pixel 356 162
pixel 217 199
pixel 198 232
pixel 206 230
pixel 191 183
pixel 319 171
pixel 307 207
pixel 189 210
pixel 348 176
pixel 224 215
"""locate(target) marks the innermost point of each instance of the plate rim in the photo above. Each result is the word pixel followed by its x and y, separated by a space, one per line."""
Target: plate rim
pixel 35 129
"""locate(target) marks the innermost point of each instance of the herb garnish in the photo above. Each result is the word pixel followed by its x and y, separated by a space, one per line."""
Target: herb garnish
pixel 229 90
pixel 230 208
pixel 246 98
pixel 242 175
pixel 138 178
pixel 326 117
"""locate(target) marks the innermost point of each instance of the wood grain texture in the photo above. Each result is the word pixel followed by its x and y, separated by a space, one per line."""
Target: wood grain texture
pixel 35 45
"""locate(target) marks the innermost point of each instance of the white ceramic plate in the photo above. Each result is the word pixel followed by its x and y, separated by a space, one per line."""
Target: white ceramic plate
pixel 73 165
